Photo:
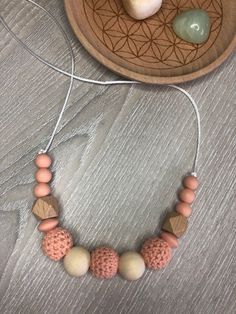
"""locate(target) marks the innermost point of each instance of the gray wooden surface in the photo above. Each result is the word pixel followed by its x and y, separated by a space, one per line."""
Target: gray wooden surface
pixel 119 157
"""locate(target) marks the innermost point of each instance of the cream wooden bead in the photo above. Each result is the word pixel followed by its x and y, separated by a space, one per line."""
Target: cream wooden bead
pixel 131 265
pixel 77 261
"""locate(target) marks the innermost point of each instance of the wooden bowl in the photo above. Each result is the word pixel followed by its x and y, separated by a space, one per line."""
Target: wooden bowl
pixel 148 50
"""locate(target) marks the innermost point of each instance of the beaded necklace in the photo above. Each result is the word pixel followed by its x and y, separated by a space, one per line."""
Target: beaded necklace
pixel 104 262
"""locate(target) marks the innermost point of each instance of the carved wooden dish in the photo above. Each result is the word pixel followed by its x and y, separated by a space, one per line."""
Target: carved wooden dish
pixel 148 50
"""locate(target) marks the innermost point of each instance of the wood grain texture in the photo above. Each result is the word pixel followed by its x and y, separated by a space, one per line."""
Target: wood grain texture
pixel 175 223
pixel 149 51
pixel 45 207
pixel 120 155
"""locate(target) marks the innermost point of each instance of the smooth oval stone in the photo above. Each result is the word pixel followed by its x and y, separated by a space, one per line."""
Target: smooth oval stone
pixel 192 26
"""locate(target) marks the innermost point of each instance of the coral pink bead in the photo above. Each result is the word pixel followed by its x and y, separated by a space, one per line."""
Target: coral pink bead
pixel 41 189
pixel 170 239
pixel 48 224
pixel 43 175
pixel 156 253
pixel 183 209
pixel 43 161
pixel 104 262
pixel 191 182
pixel 56 243
pixel 187 196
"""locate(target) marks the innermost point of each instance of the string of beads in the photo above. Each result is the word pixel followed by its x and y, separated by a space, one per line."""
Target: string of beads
pixel 105 262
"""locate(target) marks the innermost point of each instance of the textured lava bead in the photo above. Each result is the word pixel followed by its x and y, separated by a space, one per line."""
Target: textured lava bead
pixel 56 243
pixel 48 224
pixel 104 262
pixel 43 161
pixel 41 190
pixel 191 182
pixel 77 261
pixel 170 239
pixel 131 265
pixel 156 253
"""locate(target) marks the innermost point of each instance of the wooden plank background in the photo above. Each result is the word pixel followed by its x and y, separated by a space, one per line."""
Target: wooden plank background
pixel 119 156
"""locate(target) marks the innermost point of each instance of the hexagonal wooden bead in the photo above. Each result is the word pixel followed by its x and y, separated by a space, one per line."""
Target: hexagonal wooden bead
pixel 45 207
pixel 176 224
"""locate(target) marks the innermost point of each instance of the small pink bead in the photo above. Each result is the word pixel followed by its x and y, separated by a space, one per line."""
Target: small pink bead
pixel 191 182
pixel 183 209
pixel 41 189
pixel 170 239
pixel 43 175
pixel 43 161
pixel 187 196
pixel 48 224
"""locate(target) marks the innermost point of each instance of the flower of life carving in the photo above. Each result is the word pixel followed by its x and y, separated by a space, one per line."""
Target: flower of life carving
pixel 150 43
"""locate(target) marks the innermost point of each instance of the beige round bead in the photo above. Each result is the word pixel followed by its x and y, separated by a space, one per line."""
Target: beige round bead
pixel 77 261
pixel 131 265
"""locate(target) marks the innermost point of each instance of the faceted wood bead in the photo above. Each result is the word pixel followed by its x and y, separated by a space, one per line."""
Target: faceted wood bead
pixel 176 224
pixel 45 207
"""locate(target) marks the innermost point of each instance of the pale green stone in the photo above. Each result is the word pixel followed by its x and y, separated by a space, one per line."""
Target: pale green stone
pixel 192 26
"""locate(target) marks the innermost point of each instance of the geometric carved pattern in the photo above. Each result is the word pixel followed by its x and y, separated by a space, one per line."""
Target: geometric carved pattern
pixel 45 207
pixel 150 43
pixel 176 224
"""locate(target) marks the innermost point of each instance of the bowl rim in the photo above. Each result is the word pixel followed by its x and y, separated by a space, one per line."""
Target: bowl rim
pixel 148 79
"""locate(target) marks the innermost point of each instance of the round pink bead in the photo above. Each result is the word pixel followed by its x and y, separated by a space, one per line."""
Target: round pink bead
pixel 183 209
pixel 56 243
pixel 191 182
pixel 41 190
pixel 48 224
pixel 170 239
pixel 187 196
pixel 104 262
pixel 156 253
pixel 43 175
pixel 43 161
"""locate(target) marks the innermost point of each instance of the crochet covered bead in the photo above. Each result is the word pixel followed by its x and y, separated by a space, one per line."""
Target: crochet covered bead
pixel 56 243
pixel 156 253
pixel 104 262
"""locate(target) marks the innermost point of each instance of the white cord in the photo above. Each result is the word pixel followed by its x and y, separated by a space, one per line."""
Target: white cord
pixel 75 77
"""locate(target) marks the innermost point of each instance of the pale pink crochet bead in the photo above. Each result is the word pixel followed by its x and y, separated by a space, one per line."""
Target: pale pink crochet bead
pixel 104 262
pixel 170 239
pixel 56 243
pixel 156 253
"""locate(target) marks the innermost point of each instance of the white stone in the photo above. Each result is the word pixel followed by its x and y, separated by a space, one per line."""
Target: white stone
pixel 142 9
